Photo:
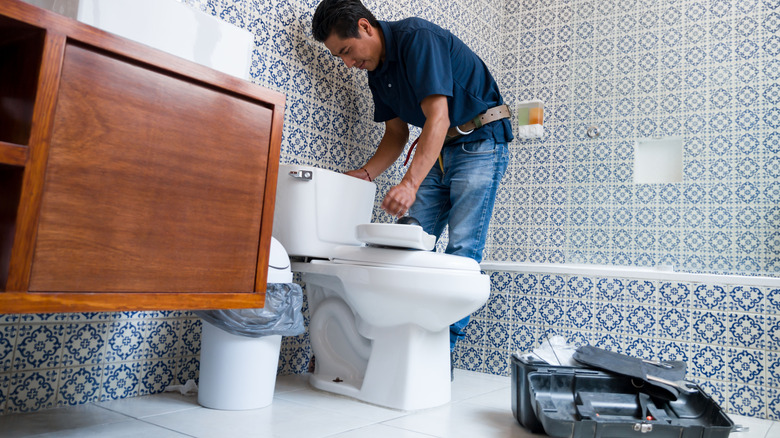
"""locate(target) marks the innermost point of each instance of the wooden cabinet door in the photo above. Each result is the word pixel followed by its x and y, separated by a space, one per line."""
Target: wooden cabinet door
pixel 153 183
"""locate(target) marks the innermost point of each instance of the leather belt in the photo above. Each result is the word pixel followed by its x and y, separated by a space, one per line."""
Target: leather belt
pixel 491 115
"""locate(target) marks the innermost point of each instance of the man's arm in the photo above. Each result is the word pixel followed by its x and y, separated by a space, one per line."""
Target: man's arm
pixel 390 148
pixel 400 197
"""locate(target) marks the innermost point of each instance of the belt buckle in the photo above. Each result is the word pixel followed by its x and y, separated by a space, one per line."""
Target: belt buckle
pixel 457 128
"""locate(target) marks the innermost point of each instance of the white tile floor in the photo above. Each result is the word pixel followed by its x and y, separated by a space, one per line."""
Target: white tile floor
pixel 480 408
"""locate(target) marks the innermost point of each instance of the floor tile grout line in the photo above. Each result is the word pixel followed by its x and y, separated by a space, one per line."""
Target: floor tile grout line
pixel 195 406
pixel 166 428
pixel 317 406
pixel 411 430
pixel 73 428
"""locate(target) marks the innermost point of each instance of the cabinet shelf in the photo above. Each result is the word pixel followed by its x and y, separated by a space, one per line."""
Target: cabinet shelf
pixel 21 49
pixel 12 154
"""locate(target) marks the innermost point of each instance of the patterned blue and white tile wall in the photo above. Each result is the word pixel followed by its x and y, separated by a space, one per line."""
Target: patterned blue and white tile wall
pixel 51 360
pixel 704 70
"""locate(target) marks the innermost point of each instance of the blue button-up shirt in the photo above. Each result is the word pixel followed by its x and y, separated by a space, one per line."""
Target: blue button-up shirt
pixel 422 59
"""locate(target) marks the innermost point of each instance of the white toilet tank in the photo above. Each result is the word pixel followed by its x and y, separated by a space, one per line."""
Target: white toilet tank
pixel 317 209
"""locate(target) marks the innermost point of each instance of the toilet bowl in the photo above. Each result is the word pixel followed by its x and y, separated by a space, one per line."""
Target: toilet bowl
pixel 380 315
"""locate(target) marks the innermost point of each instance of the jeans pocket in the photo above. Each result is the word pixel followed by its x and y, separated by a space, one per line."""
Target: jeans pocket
pixel 479 147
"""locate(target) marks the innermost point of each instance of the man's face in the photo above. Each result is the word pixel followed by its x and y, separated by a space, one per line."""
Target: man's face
pixel 364 52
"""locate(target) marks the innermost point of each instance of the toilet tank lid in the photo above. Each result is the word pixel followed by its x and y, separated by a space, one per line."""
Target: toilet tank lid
pixel 396 235
pixel 368 255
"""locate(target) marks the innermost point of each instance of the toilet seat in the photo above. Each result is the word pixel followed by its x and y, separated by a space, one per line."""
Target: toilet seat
pixel 407 258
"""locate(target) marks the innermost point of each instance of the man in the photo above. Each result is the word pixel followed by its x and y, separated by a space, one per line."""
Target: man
pixel 423 75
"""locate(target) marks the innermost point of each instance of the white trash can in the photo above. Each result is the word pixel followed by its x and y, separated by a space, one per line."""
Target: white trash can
pixel 239 372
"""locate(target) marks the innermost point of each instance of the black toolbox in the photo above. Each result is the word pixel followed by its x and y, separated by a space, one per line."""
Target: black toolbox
pixel 579 402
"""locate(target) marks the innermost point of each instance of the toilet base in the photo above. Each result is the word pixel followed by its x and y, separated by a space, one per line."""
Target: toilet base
pixel 408 369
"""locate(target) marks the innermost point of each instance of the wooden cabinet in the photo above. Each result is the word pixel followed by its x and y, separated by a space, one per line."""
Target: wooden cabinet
pixel 130 179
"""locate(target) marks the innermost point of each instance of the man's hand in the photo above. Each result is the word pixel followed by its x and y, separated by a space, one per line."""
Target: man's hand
pixel 399 198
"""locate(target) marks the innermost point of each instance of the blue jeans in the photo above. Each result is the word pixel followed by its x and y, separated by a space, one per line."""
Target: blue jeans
pixel 462 197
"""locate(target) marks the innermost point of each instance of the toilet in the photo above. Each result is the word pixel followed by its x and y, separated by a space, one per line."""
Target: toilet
pixel 380 303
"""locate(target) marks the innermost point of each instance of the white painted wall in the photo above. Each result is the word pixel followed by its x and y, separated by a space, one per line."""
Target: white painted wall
pixel 166 25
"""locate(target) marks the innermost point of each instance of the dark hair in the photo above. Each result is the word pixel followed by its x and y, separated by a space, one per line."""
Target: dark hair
pixel 339 17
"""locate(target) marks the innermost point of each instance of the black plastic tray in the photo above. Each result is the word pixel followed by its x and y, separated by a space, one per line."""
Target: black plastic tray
pixel 579 402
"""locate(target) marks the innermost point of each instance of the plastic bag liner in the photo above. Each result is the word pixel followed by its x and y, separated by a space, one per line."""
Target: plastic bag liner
pixel 280 316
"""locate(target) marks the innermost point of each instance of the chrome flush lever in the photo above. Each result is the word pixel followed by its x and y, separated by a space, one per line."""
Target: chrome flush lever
pixel 301 174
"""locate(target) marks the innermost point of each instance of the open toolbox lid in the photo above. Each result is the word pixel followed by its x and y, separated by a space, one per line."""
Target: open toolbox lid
pixel 579 402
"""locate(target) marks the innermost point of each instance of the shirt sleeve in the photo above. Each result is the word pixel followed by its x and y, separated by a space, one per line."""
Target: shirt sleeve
pixel 428 65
